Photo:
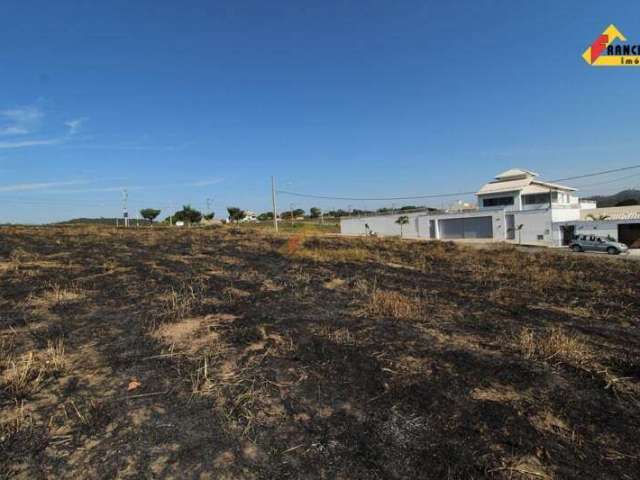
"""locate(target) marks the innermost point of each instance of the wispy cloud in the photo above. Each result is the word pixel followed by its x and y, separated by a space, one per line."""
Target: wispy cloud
pixel 25 187
pixel 31 143
pixel 74 125
pixel 20 121
pixel 13 130
pixel 27 121
pixel 128 146
pixel 118 188
pixel 97 189
pixel 204 183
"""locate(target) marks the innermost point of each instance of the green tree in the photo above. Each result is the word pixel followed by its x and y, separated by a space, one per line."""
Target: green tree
pixel 209 216
pixel 263 217
pixel 314 212
pixel 149 214
pixel 235 214
pixel 338 213
pixel 187 214
pixel 402 221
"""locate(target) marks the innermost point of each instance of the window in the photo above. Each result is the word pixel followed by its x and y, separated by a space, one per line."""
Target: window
pixel 540 237
pixel 536 198
pixel 497 202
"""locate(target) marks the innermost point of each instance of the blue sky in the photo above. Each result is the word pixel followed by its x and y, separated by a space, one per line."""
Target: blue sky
pixel 181 101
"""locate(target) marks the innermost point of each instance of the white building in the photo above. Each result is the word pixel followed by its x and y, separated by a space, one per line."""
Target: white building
pixel 516 206
pixel 249 216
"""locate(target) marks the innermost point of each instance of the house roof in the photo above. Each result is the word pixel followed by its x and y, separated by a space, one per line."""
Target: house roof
pixel 518 179
pixel 516 172
pixel 631 212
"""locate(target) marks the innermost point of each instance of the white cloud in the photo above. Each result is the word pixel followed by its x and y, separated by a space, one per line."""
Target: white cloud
pixel 30 143
pixel 13 130
pixel 20 121
pixel 115 146
pixel 26 121
pixel 25 187
pixel 74 125
pixel 96 190
pixel 205 183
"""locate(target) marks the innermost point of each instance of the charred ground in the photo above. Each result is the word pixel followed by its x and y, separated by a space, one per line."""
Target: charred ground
pixel 233 353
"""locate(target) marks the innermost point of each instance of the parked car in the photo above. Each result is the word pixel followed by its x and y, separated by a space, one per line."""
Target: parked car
pixel 591 243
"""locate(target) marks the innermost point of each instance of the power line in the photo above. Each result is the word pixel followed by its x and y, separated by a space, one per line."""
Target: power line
pixel 621 179
pixel 441 195
pixel 595 174
pixel 328 197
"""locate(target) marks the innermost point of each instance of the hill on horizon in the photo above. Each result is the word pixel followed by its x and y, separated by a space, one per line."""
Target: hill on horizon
pixel 100 221
pixel 614 199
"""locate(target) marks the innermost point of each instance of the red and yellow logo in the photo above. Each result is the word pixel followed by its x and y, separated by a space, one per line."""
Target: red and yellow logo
pixel 606 52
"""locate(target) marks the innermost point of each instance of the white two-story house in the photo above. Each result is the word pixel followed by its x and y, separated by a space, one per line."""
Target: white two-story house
pixel 516 206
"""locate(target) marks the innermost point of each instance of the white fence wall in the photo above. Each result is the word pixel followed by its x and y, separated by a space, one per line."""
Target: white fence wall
pixel 540 227
pixel 384 225
pixel 599 228
pixel 536 227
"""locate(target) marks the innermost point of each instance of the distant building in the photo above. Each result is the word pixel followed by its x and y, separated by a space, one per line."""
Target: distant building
pixel 516 207
pixel 461 206
pixel 250 216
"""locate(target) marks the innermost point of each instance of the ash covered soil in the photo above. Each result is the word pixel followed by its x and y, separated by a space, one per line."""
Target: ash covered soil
pixel 233 353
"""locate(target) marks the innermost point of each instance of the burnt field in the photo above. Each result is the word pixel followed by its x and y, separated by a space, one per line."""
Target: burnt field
pixel 233 353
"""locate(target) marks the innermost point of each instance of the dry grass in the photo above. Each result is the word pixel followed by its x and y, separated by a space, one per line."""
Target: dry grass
pixel 333 357
pixel 25 375
pixel 21 421
pixel 339 336
pixel 299 247
pixel 392 304
pixel 55 295
pixel 54 357
pixel 178 303
pixel 553 345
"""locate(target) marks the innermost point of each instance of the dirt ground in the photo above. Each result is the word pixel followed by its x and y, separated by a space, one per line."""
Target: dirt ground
pixel 236 354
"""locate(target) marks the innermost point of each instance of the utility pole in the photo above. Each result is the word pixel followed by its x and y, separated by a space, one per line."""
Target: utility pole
pixel 291 212
pixel 125 213
pixel 273 201
pixel 171 213
pixel 208 206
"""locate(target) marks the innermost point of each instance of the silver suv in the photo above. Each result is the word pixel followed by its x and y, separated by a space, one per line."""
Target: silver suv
pixel 591 243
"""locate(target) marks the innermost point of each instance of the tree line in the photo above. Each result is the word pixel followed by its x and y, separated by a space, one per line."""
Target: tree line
pixel 188 214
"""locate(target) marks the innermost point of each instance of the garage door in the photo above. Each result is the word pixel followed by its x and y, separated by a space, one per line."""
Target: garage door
pixel 473 227
pixel 629 233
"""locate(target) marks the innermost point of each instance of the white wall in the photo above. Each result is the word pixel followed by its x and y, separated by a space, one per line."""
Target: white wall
pixel 534 223
pixel 383 225
pixel 565 214
pixel 601 229
pixel 545 222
